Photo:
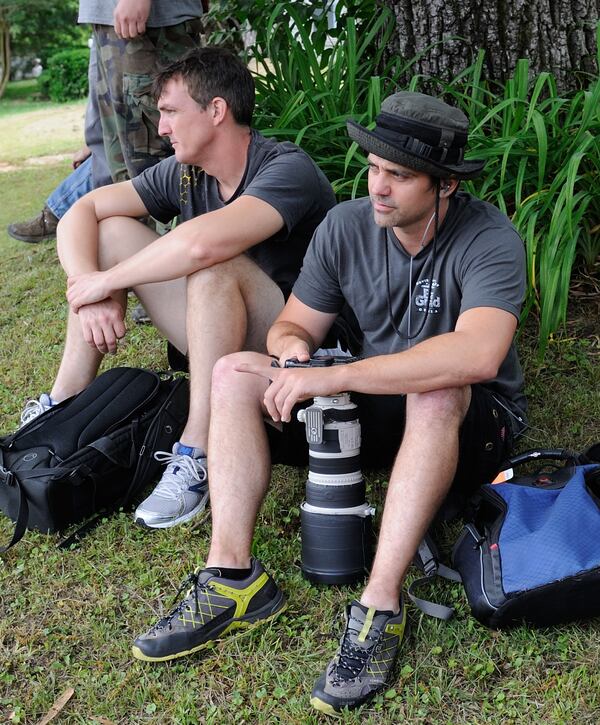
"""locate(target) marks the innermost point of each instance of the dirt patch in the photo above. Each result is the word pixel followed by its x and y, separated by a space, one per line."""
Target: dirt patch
pixel 35 161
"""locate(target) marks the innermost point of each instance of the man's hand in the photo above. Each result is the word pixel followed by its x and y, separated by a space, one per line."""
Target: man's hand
pixel 80 156
pixel 102 324
pixel 130 18
pixel 86 289
pixel 293 347
pixel 292 385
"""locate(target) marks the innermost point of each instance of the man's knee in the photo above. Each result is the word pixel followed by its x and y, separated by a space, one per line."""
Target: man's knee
pixel 120 238
pixel 219 279
pixel 228 383
pixel 445 407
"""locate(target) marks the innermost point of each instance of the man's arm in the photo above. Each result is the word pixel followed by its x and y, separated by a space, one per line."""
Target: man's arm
pixel 298 331
pixel 77 232
pixel 201 242
pixel 102 322
pixel 471 354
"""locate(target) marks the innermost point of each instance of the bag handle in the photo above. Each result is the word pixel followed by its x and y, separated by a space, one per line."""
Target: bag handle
pixel 427 560
pixel 22 515
pixel 554 454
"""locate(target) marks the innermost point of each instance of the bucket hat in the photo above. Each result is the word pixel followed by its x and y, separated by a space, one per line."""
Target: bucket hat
pixel 420 132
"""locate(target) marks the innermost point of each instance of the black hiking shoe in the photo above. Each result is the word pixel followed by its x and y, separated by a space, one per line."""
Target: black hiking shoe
pixel 212 607
pixel 364 659
pixel 39 229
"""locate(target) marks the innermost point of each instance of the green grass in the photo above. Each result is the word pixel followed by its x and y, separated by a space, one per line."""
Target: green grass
pixel 67 618
pixel 30 128
pixel 22 96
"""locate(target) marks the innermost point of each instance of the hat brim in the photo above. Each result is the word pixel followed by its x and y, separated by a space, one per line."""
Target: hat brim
pixel 372 143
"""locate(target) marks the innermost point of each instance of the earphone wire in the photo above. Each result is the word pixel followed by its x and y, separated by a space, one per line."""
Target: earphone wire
pixel 431 256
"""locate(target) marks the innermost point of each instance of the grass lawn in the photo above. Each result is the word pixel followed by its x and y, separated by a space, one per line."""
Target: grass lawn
pixel 67 618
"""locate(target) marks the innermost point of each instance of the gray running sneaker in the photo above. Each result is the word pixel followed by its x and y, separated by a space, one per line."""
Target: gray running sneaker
pixel 181 493
pixel 363 661
pixel 34 408
pixel 212 607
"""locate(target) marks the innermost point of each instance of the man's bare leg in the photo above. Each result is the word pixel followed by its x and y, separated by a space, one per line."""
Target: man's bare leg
pixel 119 238
pixel 420 479
pixel 231 307
pixel 240 471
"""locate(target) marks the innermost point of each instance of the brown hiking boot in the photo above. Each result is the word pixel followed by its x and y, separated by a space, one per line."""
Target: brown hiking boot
pixel 38 229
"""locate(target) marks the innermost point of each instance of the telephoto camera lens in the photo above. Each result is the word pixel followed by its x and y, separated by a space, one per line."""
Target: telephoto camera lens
pixel 336 520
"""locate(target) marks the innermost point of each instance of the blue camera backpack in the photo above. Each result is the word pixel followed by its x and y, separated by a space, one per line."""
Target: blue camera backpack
pixel 531 550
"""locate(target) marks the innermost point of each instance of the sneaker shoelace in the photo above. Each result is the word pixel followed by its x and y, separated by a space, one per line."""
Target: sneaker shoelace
pixel 192 579
pixel 352 659
pixel 32 409
pixel 177 474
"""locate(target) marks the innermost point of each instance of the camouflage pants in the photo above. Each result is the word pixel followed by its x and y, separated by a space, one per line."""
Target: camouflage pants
pixel 128 112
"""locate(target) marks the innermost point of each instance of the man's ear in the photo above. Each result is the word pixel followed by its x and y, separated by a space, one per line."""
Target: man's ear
pixel 447 186
pixel 218 109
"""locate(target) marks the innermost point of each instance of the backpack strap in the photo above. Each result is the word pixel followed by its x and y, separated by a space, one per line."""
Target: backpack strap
pixel 22 515
pixel 427 560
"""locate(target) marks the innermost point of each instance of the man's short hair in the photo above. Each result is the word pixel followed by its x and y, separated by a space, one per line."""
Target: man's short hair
pixel 210 72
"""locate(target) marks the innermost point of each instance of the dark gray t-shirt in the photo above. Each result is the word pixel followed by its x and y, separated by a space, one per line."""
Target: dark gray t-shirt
pixel 279 173
pixel 163 13
pixel 479 262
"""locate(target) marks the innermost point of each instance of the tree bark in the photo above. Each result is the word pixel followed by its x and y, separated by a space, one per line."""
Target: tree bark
pixel 4 52
pixel 555 35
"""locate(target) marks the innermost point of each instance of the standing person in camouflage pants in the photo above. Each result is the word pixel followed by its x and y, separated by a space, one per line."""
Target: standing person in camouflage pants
pixel 133 38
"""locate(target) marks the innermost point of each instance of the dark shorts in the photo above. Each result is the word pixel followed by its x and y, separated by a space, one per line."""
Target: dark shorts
pixel 485 437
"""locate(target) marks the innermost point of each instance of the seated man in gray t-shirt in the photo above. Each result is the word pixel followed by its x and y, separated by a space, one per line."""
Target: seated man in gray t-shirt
pixel 247 207
pixel 435 279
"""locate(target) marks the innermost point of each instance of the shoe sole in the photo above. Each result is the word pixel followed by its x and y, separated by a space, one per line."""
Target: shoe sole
pixel 246 624
pixel 30 240
pixel 324 707
pixel 175 522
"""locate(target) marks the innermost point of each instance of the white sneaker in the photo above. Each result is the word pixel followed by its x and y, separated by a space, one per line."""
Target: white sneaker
pixel 181 493
pixel 34 408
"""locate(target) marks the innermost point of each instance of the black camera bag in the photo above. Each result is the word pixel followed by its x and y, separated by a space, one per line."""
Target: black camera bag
pixel 91 453
pixel 531 549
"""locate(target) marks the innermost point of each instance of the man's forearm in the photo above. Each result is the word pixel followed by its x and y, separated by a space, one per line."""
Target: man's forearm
pixel 446 361
pixel 286 335
pixel 168 257
pixel 77 239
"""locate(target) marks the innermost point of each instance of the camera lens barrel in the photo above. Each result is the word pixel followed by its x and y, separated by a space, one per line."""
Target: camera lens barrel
pixel 336 520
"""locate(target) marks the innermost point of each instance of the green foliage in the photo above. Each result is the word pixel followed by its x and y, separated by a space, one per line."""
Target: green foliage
pixel 543 157
pixel 41 28
pixel 542 148
pixel 66 78
pixel 312 77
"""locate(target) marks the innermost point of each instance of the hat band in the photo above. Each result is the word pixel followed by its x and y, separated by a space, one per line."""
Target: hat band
pixel 407 142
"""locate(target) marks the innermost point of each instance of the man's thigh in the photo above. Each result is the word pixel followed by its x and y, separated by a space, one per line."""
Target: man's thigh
pixel 263 300
pixel 165 302
pixel 484 439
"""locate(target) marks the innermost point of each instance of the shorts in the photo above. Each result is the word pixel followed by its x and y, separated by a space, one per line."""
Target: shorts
pixel 485 437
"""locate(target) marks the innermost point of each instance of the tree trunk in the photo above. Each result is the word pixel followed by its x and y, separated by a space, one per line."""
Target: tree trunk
pixel 4 52
pixel 555 35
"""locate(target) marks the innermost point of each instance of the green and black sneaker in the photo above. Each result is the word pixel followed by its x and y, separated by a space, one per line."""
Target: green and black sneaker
pixel 212 607
pixel 363 661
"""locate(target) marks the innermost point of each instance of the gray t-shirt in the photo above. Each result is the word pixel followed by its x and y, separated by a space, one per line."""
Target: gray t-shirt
pixel 163 13
pixel 279 173
pixel 479 262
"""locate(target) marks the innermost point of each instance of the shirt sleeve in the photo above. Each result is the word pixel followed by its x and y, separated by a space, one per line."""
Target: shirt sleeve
pixel 318 285
pixel 291 185
pixel 158 187
pixel 493 272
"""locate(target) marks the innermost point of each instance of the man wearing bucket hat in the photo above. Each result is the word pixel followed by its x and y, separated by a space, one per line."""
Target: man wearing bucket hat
pixel 436 279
